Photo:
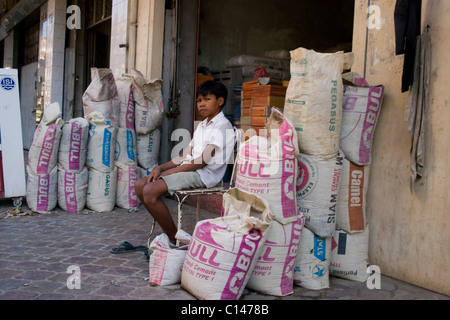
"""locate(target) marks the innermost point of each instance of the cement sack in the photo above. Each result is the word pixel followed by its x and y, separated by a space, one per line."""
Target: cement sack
pixel 245 60
pixel 51 113
pixel 148 149
pixel 101 145
pixel 149 105
pixel 73 146
pixel 278 54
pixel 269 169
pixel 43 154
pixel 350 255
pixel 361 109
pixel 143 172
pixel 126 148
pixel 166 262
pixel 127 105
pixel 72 189
pixel 312 265
pixel 314 101
pixel 127 176
pixel 42 190
pixel 101 192
pixel 318 192
pixel 351 210
pixel 102 96
pixel 274 271
pixel 223 251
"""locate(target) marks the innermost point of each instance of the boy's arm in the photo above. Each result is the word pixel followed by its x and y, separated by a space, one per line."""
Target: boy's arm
pixel 166 167
pixel 195 164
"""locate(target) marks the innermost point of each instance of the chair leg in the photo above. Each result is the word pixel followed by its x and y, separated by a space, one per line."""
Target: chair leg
pixel 180 215
pixel 151 233
pixel 199 201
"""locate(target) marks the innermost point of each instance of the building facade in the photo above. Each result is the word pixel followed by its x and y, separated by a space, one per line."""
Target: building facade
pixel 54 43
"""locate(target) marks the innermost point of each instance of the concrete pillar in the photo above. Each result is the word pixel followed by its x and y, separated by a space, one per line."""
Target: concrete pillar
pixel 150 38
pixel 54 64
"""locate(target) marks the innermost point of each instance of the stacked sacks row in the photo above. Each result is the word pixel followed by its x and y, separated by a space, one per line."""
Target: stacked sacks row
pixel 139 137
pixel 314 104
pixel 126 157
pixel 267 167
pixel 92 162
pixel 101 107
pixel 350 244
pixel 42 170
pixel 138 114
pixel 73 174
pixel 148 121
pixel 335 125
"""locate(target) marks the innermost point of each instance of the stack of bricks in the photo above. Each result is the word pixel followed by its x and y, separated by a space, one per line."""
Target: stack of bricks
pixel 257 101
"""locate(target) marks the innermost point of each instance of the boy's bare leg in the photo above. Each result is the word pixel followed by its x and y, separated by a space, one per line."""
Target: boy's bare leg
pixel 151 198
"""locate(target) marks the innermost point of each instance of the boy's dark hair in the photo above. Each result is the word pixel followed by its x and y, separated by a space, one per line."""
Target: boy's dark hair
pixel 213 87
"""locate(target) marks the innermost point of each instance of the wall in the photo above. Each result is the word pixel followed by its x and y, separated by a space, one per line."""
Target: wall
pixel 408 226
pixel 119 33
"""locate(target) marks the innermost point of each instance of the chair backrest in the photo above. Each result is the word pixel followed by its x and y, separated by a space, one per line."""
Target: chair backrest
pixel 237 144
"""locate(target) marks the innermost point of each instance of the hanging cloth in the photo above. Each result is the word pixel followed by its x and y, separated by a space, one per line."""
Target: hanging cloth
pixel 418 104
pixel 407 19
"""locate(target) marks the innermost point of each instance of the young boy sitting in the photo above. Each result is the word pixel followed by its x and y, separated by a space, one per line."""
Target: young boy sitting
pixel 203 163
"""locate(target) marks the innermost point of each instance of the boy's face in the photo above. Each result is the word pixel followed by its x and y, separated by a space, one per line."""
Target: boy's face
pixel 209 106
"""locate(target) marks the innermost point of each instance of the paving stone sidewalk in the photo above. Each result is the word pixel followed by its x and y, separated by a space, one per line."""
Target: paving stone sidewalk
pixel 36 252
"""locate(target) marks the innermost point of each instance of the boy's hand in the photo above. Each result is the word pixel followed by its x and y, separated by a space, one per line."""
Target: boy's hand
pixel 154 175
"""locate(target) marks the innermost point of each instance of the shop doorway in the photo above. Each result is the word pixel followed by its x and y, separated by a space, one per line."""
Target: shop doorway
pixel 211 32
pixel 98 35
pixel 204 35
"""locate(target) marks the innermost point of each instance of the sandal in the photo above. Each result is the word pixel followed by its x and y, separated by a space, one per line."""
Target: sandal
pixel 127 247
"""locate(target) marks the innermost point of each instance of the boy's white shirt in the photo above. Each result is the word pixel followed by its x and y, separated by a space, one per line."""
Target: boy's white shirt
pixel 220 133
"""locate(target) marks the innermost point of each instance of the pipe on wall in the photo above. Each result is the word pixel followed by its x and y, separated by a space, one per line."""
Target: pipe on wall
pixel 132 33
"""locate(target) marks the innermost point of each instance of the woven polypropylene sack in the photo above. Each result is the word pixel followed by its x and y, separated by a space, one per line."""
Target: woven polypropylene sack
pixel 72 189
pixel 166 262
pixel 361 110
pixel 43 154
pixel 126 147
pixel 101 146
pixel 268 168
pixel 273 273
pixel 42 190
pixel 318 187
pixel 127 105
pixel 223 251
pixel 127 176
pixel 312 265
pixel 102 96
pixel 314 100
pixel 101 192
pixel 350 255
pixel 351 211
pixel 73 146
pixel 148 149
pixel 149 104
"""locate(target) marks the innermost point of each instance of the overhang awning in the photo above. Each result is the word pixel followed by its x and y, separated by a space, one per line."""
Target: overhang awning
pixel 20 11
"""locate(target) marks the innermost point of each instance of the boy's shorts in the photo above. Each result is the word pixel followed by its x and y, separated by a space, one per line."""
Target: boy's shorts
pixel 182 181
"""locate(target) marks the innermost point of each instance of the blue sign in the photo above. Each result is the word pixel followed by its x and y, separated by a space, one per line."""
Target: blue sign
pixel 7 84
